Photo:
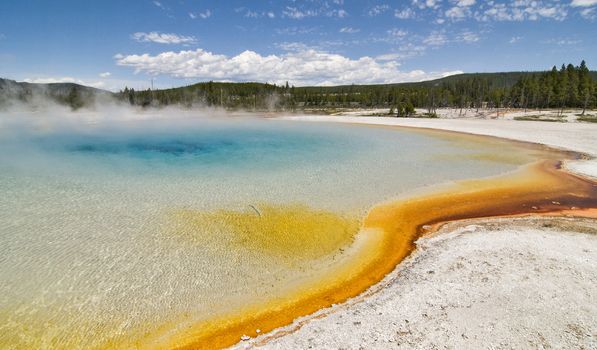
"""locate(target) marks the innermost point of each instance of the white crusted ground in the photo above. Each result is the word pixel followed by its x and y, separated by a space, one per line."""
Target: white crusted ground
pixel 502 284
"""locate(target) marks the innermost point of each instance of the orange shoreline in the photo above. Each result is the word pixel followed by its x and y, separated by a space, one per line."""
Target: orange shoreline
pixel 540 188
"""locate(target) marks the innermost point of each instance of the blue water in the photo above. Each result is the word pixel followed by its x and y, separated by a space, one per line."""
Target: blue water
pixel 85 207
pixel 205 146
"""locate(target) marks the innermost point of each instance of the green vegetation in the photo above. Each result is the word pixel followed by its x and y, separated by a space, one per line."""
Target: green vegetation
pixel 587 118
pixel 568 87
pixel 37 95
pixel 542 118
pixel 571 86
pixel 404 109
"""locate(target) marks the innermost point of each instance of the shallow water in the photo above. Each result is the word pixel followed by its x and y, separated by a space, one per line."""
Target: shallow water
pixel 108 231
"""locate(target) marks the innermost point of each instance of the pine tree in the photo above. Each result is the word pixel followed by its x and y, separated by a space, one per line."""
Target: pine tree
pixel 585 85
pixel 573 81
pixel 562 88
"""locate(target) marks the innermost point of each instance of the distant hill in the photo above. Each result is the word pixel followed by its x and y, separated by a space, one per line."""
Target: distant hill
pixel 214 91
pixel 501 88
pixel 497 79
pixel 504 89
pixel 69 94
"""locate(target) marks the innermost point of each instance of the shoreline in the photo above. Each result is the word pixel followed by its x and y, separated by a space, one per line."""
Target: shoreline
pixel 415 306
pixel 384 217
pixel 567 137
pixel 587 175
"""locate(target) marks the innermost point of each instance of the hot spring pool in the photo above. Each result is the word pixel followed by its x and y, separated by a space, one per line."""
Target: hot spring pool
pixel 112 231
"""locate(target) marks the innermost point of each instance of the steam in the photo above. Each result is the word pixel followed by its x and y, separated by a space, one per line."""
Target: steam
pixel 41 114
pixel 31 129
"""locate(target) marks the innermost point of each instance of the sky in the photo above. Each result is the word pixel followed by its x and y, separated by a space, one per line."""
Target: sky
pixel 113 44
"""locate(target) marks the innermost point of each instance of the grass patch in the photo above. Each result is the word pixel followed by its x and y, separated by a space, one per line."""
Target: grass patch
pixel 423 115
pixel 542 118
pixel 587 118
pixel 428 115
pixel 378 115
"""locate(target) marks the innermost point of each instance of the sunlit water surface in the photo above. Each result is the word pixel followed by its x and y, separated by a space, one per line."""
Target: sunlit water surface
pixel 106 229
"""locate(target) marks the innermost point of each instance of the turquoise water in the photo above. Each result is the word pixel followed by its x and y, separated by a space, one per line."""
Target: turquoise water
pixel 85 212
pixel 207 162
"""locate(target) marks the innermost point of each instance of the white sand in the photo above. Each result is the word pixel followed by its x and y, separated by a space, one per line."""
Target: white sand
pixel 491 284
pixel 568 115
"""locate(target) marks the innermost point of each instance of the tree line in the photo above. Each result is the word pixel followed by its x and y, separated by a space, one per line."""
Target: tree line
pixel 568 87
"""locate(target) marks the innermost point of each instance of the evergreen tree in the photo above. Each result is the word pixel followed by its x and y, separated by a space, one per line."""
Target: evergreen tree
pixel 573 82
pixel 585 86
pixel 570 86
pixel 562 88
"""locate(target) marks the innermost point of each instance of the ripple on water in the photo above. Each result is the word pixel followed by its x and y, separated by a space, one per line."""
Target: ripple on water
pixel 107 231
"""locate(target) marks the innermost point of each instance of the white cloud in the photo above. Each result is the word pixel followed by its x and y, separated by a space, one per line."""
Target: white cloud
pixel 583 3
pixel 294 46
pixel 440 11
pixel 159 4
pixel 52 80
pixel 203 15
pixel 301 67
pixel 397 33
pixel 458 13
pixel 589 13
pixel 521 10
pixel 406 13
pixel 378 10
pixel 422 4
pixel 296 30
pixel 338 13
pixel 436 39
pixel 295 13
pixel 349 30
pixel 105 74
pixel 468 37
pixel 563 42
pixel 461 9
pixel 454 72
pixel 163 38
pixel 515 39
pixel 465 3
pixel 251 14
pixel 111 83
pixel 254 14
pixel 389 57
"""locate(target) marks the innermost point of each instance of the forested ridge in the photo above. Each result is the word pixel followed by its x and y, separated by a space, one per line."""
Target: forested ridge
pixel 68 94
pixel 569 86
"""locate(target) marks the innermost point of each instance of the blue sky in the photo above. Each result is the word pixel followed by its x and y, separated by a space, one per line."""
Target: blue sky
pixel 110 44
